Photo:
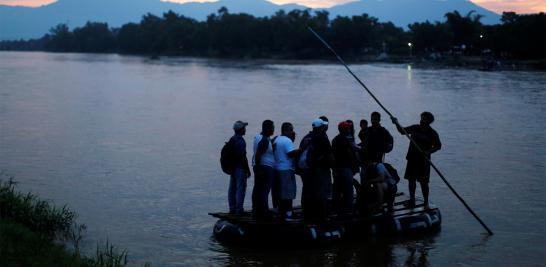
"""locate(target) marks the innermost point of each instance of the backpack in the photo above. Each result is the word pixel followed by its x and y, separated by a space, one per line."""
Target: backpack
pixel 392 171
pixel 304 161
pixel 227 158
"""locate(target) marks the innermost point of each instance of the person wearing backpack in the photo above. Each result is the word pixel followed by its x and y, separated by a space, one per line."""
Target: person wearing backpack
pixel 263 163
pixel 377 140
pixel 318 185
pixel 285 179
pixel 302 169
pixel 239 165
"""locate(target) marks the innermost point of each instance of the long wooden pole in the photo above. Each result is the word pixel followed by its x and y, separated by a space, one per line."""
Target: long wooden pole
pixel 395 121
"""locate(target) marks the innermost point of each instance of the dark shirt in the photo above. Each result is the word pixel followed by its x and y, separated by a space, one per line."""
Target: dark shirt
pixel 305 141
pixel 377 142
pixel 322 151
pixel 239 145
pixel 362 135
pixel 427 139
pixel 342 148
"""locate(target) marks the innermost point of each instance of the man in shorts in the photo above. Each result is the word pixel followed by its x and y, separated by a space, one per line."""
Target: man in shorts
pixel 418 166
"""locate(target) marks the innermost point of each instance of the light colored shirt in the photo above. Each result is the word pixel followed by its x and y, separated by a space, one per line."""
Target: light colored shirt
pixel 268 158
pixel 283 146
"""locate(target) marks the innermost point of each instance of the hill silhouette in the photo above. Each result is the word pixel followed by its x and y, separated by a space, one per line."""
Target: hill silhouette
pixel 26 22
pixel 404 12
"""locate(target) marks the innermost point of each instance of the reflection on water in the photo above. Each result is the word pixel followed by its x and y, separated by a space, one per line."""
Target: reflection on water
pixel 408 251
pixel 133 146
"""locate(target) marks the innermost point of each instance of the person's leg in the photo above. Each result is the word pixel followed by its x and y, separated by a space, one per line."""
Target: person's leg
pixel 269 176
pixel 231 193
pixel 380 191
pixel 291 192
pixel 304 189
pixel 362 174
pixel 282 208
pixel 347 191
pixel 303 199
pixel 325 192
pixel 337 205
pixel 390 195
pixel 257 191
pixel 412 184
pixel 275 189
pixel 424 190
pixel 285 208
pixel 241 190
pixel 289 208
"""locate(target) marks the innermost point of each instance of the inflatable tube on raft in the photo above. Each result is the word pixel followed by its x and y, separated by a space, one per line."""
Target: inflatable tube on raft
pixel 228 231
pixel 300 232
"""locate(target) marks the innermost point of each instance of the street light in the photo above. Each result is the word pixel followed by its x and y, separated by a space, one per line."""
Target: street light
pixel 410 49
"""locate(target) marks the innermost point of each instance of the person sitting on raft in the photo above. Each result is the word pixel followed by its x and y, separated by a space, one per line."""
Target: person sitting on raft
pixel 378 177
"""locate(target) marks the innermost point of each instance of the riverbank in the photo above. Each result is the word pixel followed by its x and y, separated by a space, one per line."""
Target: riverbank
pixel 33 232
pixel 422 62
pixel 418 61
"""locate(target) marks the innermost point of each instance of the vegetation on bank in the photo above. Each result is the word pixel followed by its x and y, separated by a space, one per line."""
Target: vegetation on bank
pixel 35 233
pixel 285 36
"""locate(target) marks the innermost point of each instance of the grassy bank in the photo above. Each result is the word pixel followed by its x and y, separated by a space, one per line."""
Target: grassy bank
pixel 34 232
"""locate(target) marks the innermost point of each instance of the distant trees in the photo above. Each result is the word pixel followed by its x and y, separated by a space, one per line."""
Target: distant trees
pixel 94 37
pixel 428 37
pixel 285 35
pixel 60 39
pixel 519 36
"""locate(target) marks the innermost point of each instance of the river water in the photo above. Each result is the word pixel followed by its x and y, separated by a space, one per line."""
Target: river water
pixel 132 145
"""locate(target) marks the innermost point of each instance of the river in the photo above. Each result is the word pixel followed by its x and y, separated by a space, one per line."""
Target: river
pixel 133 145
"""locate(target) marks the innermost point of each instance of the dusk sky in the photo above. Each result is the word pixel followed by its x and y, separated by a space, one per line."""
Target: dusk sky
pixel 520 6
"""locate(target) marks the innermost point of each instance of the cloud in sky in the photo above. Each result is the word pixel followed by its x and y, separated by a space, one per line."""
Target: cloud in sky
pixel 25 2
pixel 519 6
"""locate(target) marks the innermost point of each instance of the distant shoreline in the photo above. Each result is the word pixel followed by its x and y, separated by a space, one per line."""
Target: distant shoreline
pixel 462 62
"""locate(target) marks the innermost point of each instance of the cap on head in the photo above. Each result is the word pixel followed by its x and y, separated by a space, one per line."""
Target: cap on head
pixel 324 118
pixel 238 125
pixel 344 126
pixel 318 122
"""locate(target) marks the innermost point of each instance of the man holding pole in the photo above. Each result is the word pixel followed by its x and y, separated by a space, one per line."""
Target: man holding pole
pixel 418 167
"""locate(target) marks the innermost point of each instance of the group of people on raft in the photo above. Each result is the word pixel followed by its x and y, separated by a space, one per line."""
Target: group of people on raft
pixel 276 161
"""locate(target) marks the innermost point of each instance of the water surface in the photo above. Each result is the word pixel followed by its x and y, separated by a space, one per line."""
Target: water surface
pixel 132 145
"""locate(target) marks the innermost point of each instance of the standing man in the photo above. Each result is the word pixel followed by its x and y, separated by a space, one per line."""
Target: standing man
pixel 241 172
pixel 285 178
pixel 344 169
pixel 320 160
pixel 263 163
pixel 363 130
pixel 378 140
pixel 418 166
pixel 325 119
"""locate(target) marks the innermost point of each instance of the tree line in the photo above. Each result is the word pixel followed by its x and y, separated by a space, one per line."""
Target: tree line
pixel 285 35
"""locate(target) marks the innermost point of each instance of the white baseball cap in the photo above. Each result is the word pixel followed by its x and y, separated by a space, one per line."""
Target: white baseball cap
pixel 318 123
